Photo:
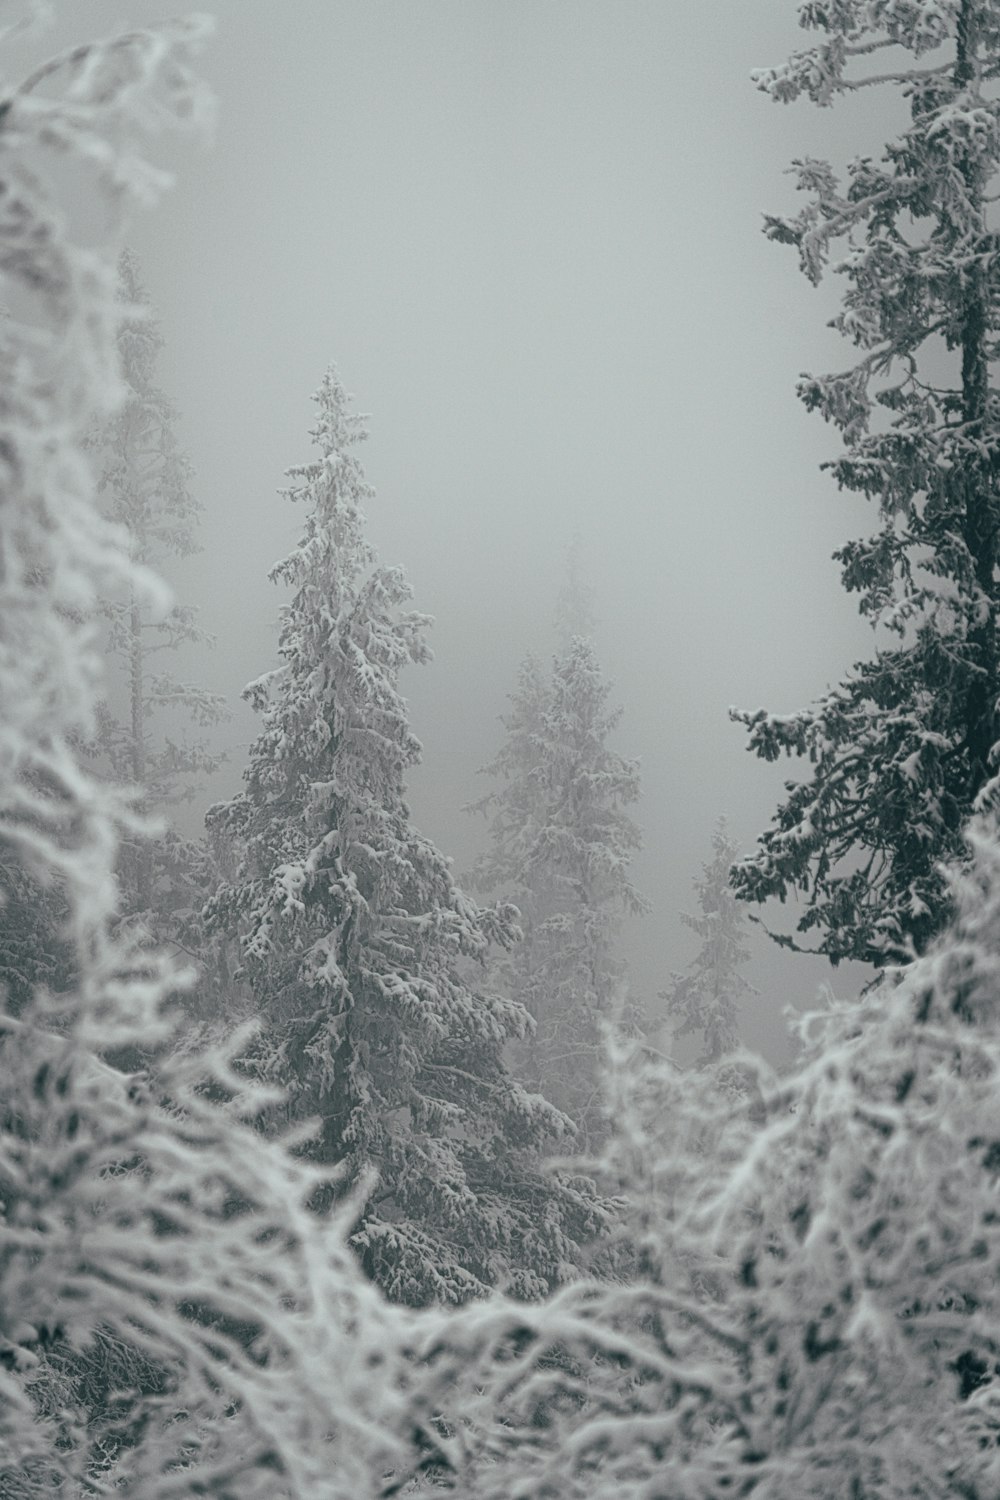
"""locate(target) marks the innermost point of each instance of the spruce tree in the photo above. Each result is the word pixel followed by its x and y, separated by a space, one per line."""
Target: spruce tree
pixel 146 481
pixel 905 747
pixel 706 998
pixel 363 956
pixel 561 844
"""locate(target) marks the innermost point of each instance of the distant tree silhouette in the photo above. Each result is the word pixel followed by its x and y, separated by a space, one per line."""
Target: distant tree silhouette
pixel 146 479
pixel 706 997
pixel 561 845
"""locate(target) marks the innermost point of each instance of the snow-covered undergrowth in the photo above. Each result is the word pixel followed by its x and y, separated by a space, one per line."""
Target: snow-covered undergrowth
pixel 803 1296
pixel 173 1320
pixel 808 1302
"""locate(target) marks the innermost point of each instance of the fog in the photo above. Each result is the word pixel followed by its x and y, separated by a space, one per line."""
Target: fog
pixel 528 235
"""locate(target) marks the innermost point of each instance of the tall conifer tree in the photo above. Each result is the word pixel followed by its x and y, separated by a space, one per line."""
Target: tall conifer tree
pixel 903 748
pixel 561 844
pixel 359 946
pixel 146 480
pixel 706 997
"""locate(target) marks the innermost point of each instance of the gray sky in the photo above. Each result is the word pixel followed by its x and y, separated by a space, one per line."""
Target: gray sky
pixel 527 232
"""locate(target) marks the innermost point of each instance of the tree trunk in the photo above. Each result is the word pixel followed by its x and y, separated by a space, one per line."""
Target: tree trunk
pixel 979 507
pixel 141 897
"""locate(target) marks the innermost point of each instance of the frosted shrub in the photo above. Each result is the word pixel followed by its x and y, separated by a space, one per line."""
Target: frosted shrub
pixel 172 1319
pixel 814 1309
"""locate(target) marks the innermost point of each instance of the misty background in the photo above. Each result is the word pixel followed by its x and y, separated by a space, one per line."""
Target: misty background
pixel 527 232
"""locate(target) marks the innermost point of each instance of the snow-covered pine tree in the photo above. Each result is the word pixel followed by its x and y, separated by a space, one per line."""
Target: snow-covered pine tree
pixel 706 998
pixel 905 746
pixel 146 481
pixel 561 845
pixel 173 1318
pixel 358 945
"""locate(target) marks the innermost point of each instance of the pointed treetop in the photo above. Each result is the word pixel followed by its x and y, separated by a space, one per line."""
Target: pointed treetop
pixel 576 613
pixel 337 425
pixel 139 338
pixel 707 997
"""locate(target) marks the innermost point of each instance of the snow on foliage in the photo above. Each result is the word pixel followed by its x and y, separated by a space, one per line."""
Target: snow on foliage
pixel 905 747
pixel 808 1302
pixel 173 1320
pixel 146 482
pixel 814 1305
pixel 706 998
pixel 562 841
pixel 363 956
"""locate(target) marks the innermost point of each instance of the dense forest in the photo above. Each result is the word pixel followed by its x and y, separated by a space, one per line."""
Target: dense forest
pixel 328 1171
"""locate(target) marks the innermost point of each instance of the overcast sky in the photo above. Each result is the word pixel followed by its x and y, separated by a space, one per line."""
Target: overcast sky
pixel 528 234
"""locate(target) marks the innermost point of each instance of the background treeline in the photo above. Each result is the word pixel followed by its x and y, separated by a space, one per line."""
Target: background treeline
pixel 320 1178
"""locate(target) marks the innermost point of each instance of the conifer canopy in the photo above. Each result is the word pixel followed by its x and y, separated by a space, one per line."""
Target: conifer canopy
pixel 904 748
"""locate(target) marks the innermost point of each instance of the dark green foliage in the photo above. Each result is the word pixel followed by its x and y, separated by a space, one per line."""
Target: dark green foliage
pixel 904 748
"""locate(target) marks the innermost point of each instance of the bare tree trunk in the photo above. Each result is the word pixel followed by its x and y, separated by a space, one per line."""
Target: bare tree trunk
pixel 141 896
pixel 978 479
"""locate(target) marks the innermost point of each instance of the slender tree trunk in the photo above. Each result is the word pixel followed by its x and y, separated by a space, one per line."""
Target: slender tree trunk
pixel 979 507
pixel 142 895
